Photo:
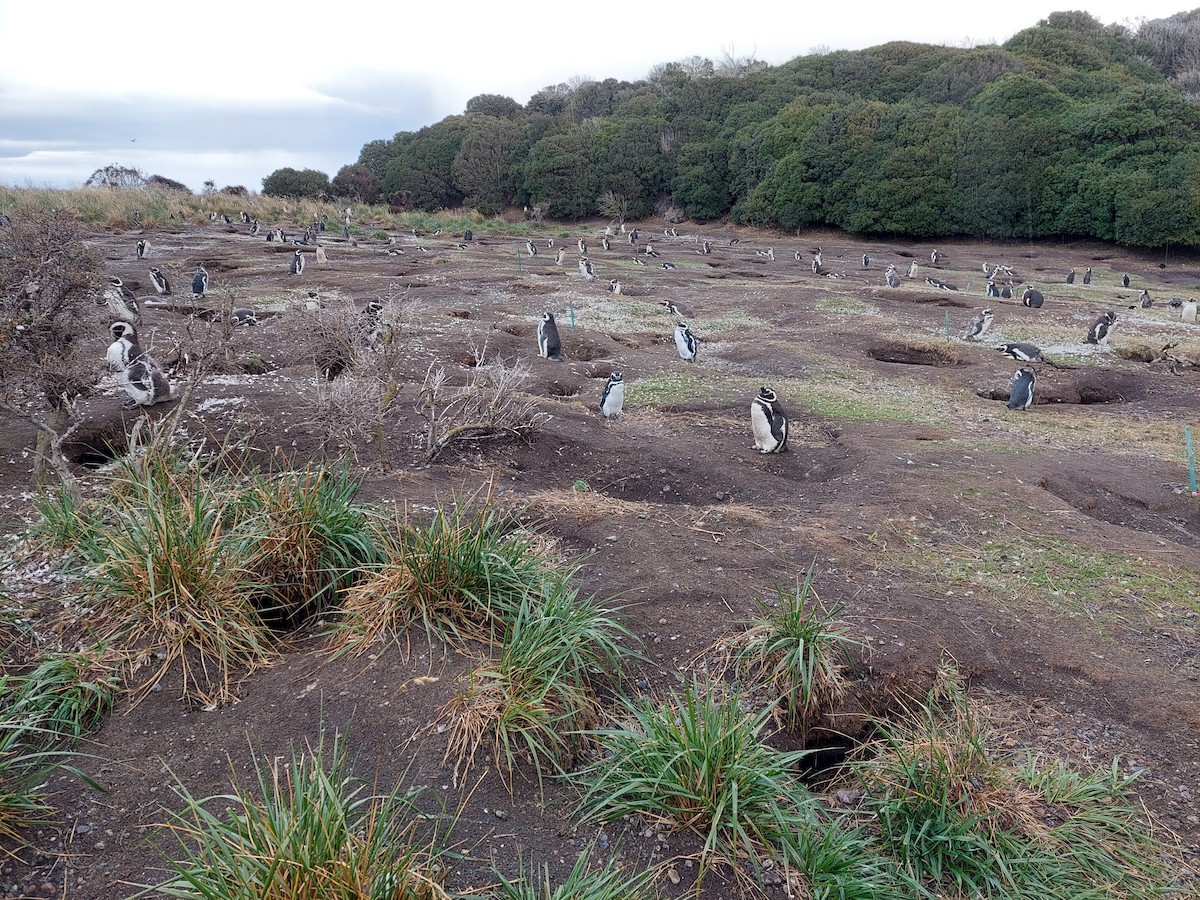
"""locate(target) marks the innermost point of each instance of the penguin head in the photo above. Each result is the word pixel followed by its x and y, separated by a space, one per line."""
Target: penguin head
pixel 616 378
pixel 987 313
pixel 548 317
pixel 122 331
pixel 767 395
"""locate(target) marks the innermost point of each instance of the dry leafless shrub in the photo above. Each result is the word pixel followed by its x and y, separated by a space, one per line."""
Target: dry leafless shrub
pixel 489 406
pixel 50 352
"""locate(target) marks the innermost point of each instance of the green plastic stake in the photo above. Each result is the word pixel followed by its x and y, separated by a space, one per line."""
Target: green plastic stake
pixel 1187 434
pixel 947 324
pixel 571 310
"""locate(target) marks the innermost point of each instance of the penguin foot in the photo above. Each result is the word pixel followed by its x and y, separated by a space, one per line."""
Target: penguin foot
pixel 130 404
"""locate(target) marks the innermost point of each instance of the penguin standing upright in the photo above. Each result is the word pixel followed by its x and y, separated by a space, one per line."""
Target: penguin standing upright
pixel 1125 280
pixel 549 345
pixel 768 422
pixel 142 247
pixel 560 256
pixel 585 268
pixel 1098 333
pixel 200 282
pixel 322 256
pixel 1071 277
pixel 685 342
pixel 978 325
pixel 297 266
pixel 612 400
pixel 137 373
pixel 160 281
pixel 120 301
pixel 530 250
pixel 1087 276
pixel 912 269
pixel 1020 394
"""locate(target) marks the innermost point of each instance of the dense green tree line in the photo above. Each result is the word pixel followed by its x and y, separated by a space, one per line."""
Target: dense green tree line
pixel 1070 128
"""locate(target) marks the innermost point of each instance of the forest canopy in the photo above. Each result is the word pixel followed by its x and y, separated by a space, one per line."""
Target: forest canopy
pixel 1071 128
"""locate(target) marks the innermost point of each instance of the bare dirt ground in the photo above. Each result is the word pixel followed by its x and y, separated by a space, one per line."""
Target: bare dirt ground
pixel 1052 552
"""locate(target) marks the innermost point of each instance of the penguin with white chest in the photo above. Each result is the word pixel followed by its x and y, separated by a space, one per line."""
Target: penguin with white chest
pixel 120 301
pixel 978 325
pixel 549 345
pixel 161 284
pixel 685 342
pixel 1098 333
pixel 136 371
pixel 200 282
pixel 612 399
pixel 768 422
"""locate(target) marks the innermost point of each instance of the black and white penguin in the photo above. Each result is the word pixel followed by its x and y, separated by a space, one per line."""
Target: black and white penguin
pixel 160 281
pixel 768 422
pixel 1006 291
pixel 934 257
pixel 633 236
pixel 549 345
pixel 1020 388
pixel 668 266
pixel 1032 298
pixel 1125 280
pixel 120 301
pixel 322 256
pixel 678 309
pixel 604 243
pixel 1022 351
pixel 978 325
pixel 585 268
pixel 912 269
pixel 891 277
pixel 615 286
pixel 254 228
pixel 1087 275
pixel 136 371
pixel 612 399
pixel 992 290
pixel 1144 300
pixel 1098 333
pixel 200 282
pixel 582 247
pixel 243 316
pixel 706 247
pixel 297 265
pixel 143 247
pixel 1071 277
pixel 638 261
pixel 530 250
pixel 245 217
pixel 560 256
pixel 815 266
pixel 771 254
pixel 685 342
pixel 866 261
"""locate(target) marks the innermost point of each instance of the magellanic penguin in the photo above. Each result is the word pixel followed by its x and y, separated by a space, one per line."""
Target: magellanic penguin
pixel 549 345
pixel 1125 280
pixel 1022 351
pixel 585 268
pixel 322 256
pixel 678 308
pixel 136 371
pixel 530 250
pixel 1087 276
pixel 1098 333
pixel 612 400
pixel 1032 298
pixel 1020 395
pixel 978 325
pixel 200 282
pixel 297 266
pixel 243 316
pixel 160 281
pixel 768 422
pixel 686 342
pixel 143 246
pixel 120 301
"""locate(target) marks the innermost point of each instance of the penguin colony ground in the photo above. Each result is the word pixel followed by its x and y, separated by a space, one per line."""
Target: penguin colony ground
pixel 1001 282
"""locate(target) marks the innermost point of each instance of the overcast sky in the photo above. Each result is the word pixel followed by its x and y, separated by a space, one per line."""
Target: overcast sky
pixel 231 91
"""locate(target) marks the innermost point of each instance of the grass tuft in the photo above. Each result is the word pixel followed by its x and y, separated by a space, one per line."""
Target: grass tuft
pixel 584 882
pixel 964 818
pixel 307 828
pixel 536 698
pixel 695 762
pixel 798 652
pixel 65 697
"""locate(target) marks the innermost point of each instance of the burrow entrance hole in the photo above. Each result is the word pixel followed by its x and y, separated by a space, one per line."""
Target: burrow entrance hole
pixel 918 354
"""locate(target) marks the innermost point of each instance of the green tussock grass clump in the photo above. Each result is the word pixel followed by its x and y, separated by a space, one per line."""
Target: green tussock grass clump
pixel 536 697
pixel 798 652
pixel 585 881
pixel 965 818
pixel 64 697
pixel 305 827
pixel 695 761
pixel 190 570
